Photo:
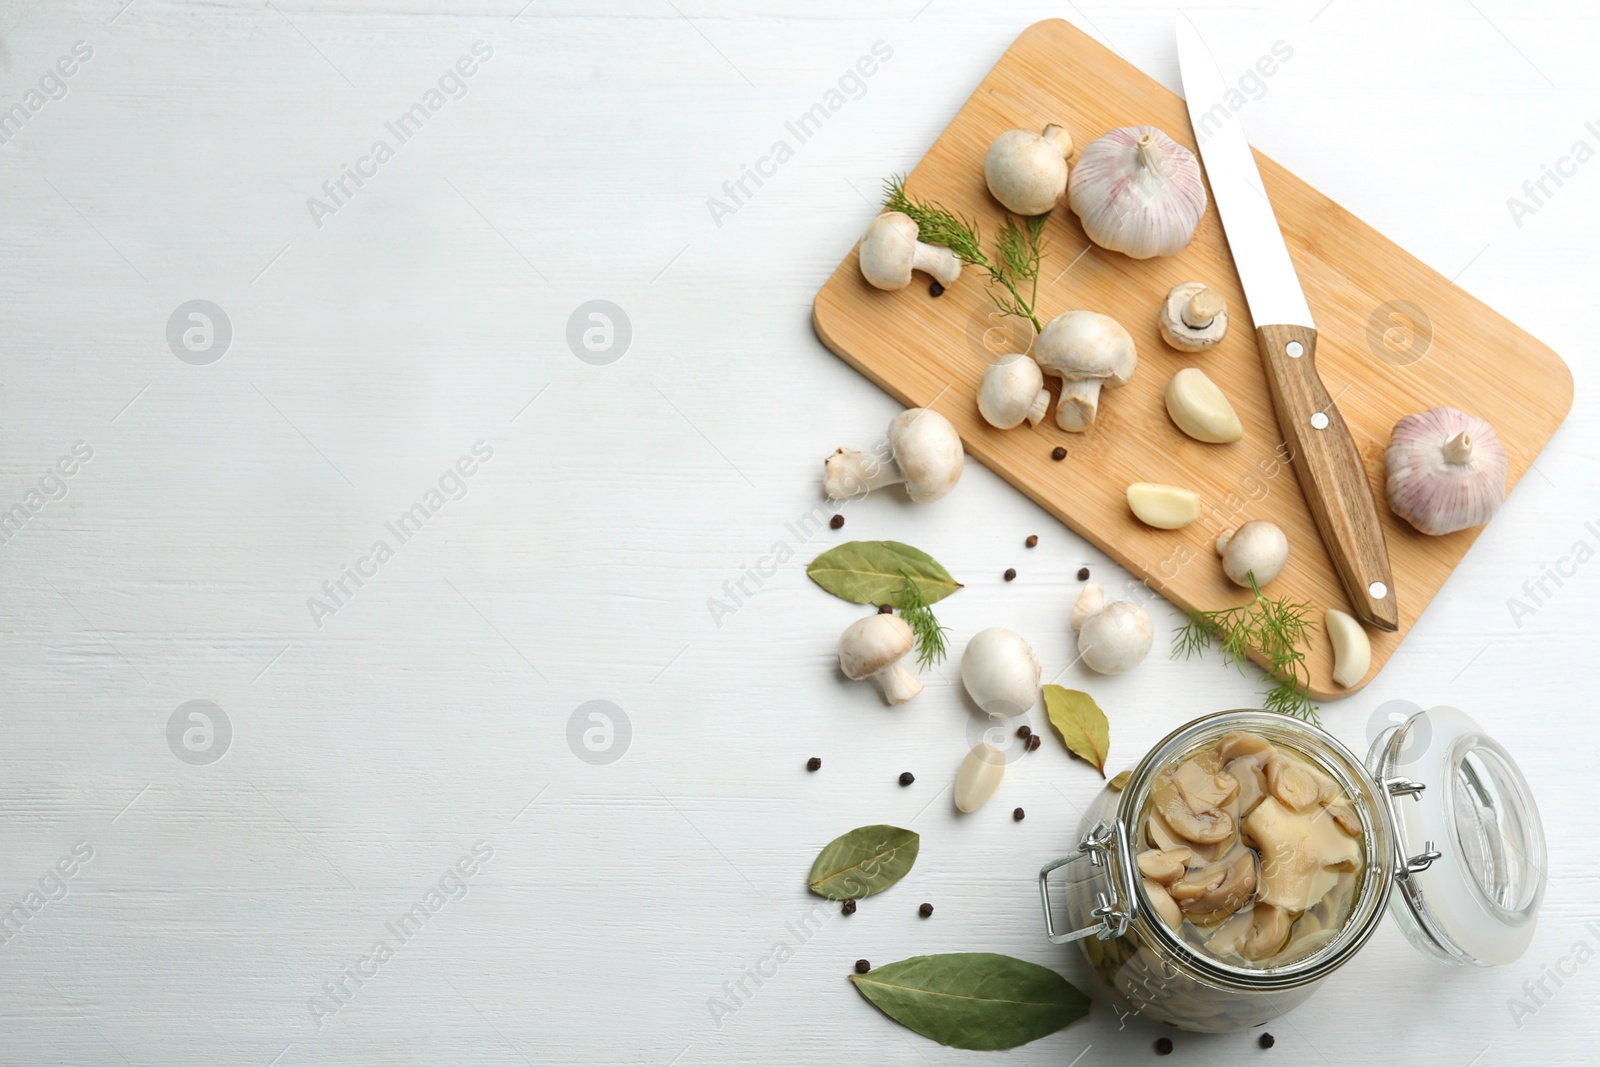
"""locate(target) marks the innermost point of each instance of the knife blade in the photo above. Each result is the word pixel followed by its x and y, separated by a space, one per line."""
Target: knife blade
pixel 1325 458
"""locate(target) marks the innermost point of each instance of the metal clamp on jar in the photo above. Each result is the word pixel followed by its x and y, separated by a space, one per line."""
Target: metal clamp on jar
pixel 1183 890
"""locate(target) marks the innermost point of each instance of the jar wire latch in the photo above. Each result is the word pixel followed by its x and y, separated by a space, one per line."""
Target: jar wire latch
pixel 1106 846
pixel 1401 786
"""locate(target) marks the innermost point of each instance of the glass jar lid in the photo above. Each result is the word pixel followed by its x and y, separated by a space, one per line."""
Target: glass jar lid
pixel 1471 870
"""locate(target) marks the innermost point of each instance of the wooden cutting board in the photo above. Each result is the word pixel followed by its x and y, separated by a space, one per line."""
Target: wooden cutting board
pixel 1395 337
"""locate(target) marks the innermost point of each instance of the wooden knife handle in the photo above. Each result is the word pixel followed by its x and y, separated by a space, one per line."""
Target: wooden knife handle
pixel 1331 473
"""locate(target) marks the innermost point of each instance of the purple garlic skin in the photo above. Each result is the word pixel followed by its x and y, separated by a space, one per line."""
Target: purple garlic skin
pixel 1447 470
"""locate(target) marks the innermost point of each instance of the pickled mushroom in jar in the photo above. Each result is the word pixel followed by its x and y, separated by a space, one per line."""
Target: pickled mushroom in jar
pixel 1252 852
pixel 1302 855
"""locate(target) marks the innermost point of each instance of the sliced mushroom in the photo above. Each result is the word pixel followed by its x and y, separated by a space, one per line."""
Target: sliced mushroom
pixel 1165 838
pixel 1234 745
pixel 1162 902
pixel 1161 836
pixel 1164 866
pixel 1345 818
pixel 1269 930
pixel 1202 787
pixel 1213 893
pixel 1304 944
pixel 1301 854
pixel 1251 775
pixel 1207 826
pixel 1292 782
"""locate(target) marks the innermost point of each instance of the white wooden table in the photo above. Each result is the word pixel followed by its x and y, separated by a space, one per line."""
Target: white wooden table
pixel 413 732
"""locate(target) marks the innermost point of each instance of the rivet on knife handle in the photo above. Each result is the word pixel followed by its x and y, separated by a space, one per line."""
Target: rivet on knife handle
pixel 1331 473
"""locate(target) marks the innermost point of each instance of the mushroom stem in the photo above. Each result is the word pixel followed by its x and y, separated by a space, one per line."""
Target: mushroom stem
pixel 1202 308
pixel 850 471
pixel 938 261
pixel 1458 450
pixel 1041 404
pixel 1059 137
pixel 1079 401
pixel 899 684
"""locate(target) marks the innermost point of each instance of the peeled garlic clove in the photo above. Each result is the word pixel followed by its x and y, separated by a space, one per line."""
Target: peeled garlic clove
pixel 1199 409
pixel 979 776
pixel 1447 470
pixel 1137 191
pixel 1352 651
pixel 1166 507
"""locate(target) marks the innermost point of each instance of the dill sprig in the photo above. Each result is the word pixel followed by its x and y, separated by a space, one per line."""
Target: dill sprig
pixel 1019 249
pixel 933 643
pixel 1274 630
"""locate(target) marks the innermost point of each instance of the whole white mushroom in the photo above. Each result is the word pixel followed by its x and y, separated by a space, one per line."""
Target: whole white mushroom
pixel 1027 171
pixel 890 251
pixel 873 648
pixel 1089 352
pixel 924 454
pixel 1114 637
pixel 1001 672
pixel 1012 390
pixel 1257 548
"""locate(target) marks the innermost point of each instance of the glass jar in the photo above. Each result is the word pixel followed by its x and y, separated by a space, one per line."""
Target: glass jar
pixel 1453 850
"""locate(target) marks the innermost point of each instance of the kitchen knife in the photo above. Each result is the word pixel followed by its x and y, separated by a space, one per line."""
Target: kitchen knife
pixel 1325 458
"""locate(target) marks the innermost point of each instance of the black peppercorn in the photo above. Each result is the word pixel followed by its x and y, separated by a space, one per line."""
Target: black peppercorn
pixel 1024 731
pixel 1058 453
pixel 836 522
pixel 1267 1041
pixel 1083 574
pixel 1033 539
pixel 849 907
pixel 814 763
pixel 1163 1046
pixel 1017 815
pixel 862 966
pixel 1010 574
pixel 1033 742
pixel 884 609
pixel 906 777
pixel 935 289
pixel 925 911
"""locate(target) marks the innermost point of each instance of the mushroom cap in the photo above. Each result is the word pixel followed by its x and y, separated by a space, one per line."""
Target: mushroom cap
pixel 1027 172
pixel 1258 547
pixel 1001 672
pixel 1300 854
pixel 1086 344
pixel 887 249
pixel 1116 638
pixel 869 645
pixel 927 450
pixel 1010 390
pixel 1177 332
pixel 1432 493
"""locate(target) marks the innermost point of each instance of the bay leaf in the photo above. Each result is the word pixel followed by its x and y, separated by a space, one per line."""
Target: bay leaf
pixel 1120 782
pixel 1080 723
pixel 875 572
pixel 973 1000
pixel 867 860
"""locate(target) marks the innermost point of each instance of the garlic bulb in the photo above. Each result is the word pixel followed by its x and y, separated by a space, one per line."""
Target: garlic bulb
pixel 1447 470
pixel 1137 191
